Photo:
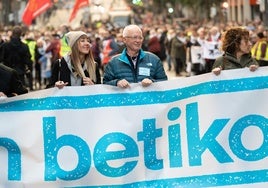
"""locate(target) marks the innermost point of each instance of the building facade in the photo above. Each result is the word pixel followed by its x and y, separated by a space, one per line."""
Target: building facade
pixel 11 11
pixel 243 11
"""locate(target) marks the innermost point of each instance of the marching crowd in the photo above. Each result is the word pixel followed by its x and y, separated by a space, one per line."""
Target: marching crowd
pixel 63 56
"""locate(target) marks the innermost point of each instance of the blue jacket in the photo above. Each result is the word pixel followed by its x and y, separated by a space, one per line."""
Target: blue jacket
pixel 148 66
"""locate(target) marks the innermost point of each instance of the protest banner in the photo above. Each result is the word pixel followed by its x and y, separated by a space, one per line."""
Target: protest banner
pixel 199 131
pixel 211 49
pixel 197 55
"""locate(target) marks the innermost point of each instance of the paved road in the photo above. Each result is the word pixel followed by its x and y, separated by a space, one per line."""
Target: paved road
pixel 171 74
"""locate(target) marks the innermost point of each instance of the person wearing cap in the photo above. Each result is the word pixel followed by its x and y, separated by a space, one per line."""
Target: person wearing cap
pixel 77 67
pixel 133 65
pixel 236 47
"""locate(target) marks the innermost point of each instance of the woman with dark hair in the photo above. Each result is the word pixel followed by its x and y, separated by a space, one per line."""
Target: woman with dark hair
pixel 236 47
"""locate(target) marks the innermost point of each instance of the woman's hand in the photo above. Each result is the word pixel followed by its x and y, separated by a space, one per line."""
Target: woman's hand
pixel 60 84
pixel 253 67
pixel 216 71
pixel 87 81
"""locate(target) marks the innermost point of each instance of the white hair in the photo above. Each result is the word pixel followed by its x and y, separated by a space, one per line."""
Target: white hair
pixel 129 28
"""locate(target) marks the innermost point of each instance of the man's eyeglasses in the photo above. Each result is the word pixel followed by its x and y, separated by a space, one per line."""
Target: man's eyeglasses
pixel 134 37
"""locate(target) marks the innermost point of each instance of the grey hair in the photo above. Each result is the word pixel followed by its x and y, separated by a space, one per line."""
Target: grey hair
pixel 130 27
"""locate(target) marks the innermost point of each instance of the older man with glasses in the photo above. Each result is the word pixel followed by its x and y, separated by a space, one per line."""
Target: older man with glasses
pixel 133 65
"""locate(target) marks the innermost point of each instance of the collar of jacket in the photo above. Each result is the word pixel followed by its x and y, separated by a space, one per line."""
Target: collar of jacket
pixel 123 56
pixel 243 59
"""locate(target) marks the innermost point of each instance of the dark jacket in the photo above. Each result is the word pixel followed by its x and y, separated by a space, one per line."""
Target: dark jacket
pixel 154 45
pixel 16 54
pixel 61 71
pixel 120 67
pixel 10 83
pixel 178 49
pixel 228 61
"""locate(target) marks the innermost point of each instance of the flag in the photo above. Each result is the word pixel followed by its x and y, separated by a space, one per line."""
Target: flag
pixel 78 4
pixel 33 9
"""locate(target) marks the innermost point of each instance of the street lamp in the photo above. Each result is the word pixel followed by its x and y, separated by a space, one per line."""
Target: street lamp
pixel 225 5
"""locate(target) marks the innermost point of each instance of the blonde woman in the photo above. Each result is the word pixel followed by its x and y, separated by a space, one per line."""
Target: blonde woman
pixel 78 67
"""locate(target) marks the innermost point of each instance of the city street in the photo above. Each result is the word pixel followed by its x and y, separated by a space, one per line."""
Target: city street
pixel 133 93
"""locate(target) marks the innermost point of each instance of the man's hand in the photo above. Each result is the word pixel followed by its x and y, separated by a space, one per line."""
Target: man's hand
pixel 123 83
pixel 146 82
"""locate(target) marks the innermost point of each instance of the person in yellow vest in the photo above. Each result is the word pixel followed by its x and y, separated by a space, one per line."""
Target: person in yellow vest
pixel 259 50
pixel 65 48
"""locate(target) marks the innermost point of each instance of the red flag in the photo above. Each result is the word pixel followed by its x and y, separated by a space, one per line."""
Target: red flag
pixel 78 4
pixel 33 9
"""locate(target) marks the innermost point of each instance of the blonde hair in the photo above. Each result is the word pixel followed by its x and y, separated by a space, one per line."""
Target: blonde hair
pixel 89 61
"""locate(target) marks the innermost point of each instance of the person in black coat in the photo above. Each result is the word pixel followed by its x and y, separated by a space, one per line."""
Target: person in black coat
pixel 16 54
pixel 78 67
pixel 10 84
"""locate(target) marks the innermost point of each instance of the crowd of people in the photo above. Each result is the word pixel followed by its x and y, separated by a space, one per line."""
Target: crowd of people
pixel 84 56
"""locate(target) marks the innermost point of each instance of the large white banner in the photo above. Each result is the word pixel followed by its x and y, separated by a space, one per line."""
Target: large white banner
pixel 200 131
